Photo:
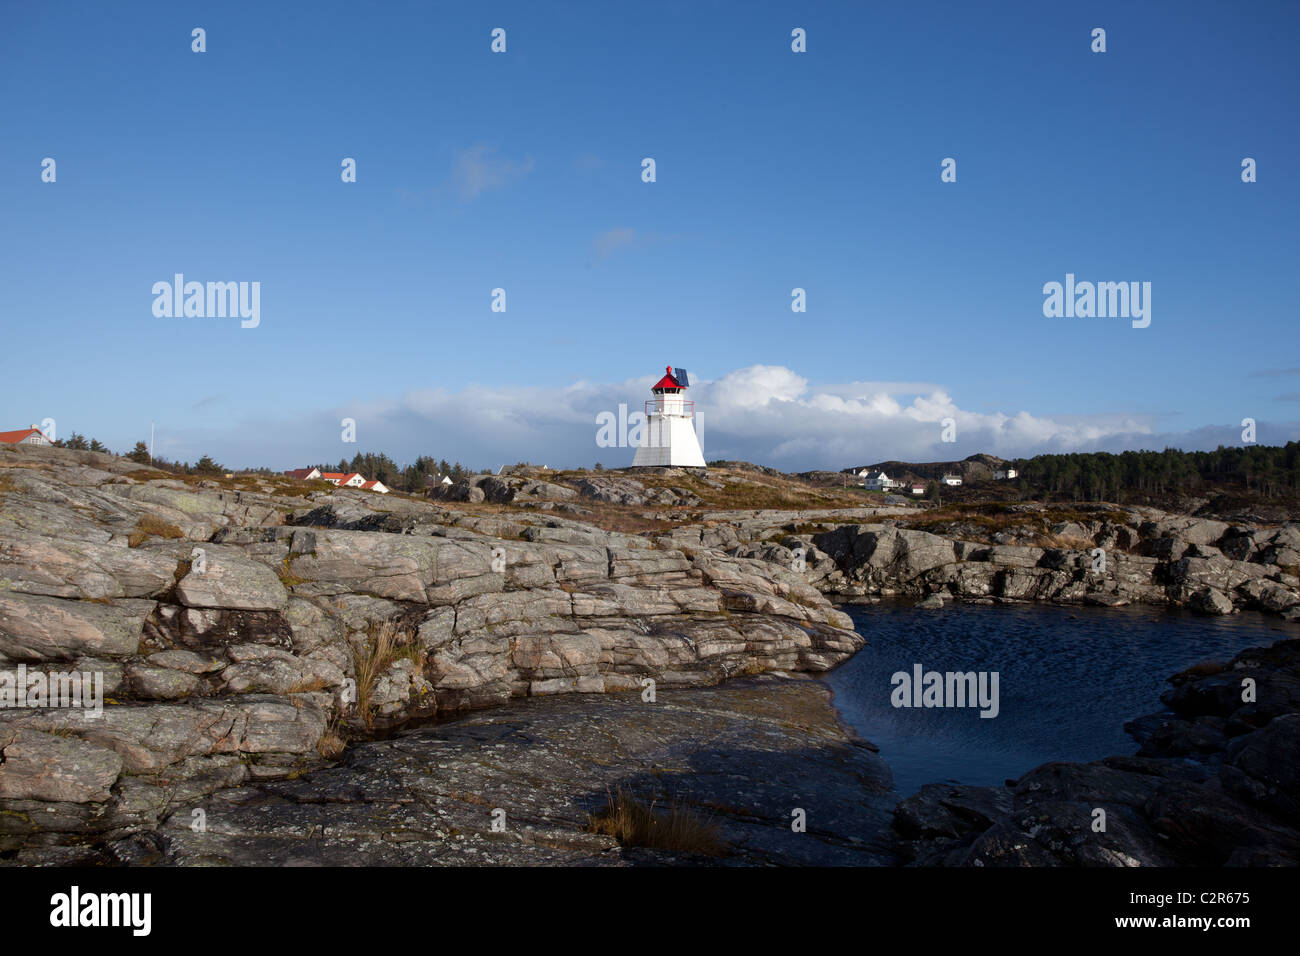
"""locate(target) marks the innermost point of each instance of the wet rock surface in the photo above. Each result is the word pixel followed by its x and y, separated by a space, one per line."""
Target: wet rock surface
pixel 742 757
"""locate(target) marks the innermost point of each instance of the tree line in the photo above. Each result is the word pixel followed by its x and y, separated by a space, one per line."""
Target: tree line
pixel 1267 470
pixel 413 478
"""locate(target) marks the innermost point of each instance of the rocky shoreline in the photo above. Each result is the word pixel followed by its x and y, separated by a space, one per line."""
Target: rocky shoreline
pixel 244 630
pixel 1216 782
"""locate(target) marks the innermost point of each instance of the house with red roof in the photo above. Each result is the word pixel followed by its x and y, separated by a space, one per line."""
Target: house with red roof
pixel 353 480
pixel 25 436
pixel 339 479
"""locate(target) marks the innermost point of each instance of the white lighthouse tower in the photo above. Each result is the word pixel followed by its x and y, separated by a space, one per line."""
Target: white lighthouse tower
pixel 669 430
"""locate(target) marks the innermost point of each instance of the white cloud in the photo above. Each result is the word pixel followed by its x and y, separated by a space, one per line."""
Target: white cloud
pixel 764 413
pixel 476 171
pixel 608 241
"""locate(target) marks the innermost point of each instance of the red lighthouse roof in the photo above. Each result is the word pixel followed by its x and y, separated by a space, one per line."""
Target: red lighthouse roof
pixel 668 381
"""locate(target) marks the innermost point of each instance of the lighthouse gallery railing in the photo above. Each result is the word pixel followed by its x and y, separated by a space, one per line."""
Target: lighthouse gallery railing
pixel 661 406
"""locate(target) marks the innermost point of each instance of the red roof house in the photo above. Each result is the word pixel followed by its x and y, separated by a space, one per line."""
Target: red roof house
pixel 25 436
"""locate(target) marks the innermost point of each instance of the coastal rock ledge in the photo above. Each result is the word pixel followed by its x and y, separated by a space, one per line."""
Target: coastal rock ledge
pixel 242 629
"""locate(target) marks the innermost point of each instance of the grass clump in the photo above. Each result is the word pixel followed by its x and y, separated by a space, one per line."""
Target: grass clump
pixel 386 645
pixel 673 827
pixel 1065 542
pixel 333 742
pixel 151 526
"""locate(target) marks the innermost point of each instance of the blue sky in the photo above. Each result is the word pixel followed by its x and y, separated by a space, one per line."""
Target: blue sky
pixel 775 170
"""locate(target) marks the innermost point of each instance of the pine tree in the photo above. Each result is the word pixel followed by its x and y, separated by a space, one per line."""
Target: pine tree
pixel 206 466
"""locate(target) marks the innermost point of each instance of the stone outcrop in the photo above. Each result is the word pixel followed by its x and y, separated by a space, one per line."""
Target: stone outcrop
pixel 628 491
pixel 238 629
pixel 503 489
pixel 1134 556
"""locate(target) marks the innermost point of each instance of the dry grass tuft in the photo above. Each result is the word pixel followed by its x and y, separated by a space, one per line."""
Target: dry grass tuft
pixel 332 743
pixel 675 827
pixel 387 644
pixel 1065 542
pixel 151 526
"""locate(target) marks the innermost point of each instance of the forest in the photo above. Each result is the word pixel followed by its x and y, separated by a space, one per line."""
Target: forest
pixel 1269 471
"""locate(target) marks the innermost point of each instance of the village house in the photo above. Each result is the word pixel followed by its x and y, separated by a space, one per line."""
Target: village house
pixel 352 480
pixel 25 436
pixel 339 479
pixel 953 480
pixel 877 481
pixel 918 489
pixel 1003 475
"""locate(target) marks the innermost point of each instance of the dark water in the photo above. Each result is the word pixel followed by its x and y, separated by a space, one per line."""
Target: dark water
pixel 1068 680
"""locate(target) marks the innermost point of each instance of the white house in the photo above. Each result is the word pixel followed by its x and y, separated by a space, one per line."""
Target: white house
pixel 374 486
pixel 878 481
pixel 1002 475
pixel 304 474
pixel 953 480
pixel 918 489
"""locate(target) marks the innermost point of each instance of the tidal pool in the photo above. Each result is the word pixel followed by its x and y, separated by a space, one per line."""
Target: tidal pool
pixel 1068 679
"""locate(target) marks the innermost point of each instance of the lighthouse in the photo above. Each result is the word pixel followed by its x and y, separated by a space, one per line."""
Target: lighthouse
pixel 669 429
